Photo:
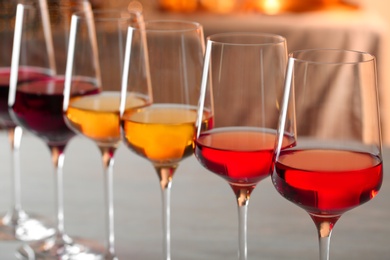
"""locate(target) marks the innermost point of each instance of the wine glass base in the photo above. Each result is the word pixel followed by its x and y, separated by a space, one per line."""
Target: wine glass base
pixel 24 227
pixel 78 249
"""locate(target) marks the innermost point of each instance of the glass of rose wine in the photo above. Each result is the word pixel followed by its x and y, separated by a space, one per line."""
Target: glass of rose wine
pixel 164 132
pixel 16 224
pixel 242 86
pixel 330 114
pixel 96 52
pixel 37 107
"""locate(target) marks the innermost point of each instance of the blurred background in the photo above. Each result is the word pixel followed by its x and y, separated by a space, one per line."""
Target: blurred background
pixel 361 25
pixel 239 6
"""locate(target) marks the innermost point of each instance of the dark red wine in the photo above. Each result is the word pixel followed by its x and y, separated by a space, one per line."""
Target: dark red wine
pixel 327 182
pixel 25 75
pixel 242 156
pixel 38 107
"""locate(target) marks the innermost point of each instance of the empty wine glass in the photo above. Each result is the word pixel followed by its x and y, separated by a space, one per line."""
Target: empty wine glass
pixel 330 114
pixel 242 86
pixel 164 132
pixel 40 44
pixel 96 53
pixel 16 224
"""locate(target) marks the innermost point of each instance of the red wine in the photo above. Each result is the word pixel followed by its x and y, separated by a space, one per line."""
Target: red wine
pixel 38 108
pixel 327 182
pixel 241 155
pixel 25 75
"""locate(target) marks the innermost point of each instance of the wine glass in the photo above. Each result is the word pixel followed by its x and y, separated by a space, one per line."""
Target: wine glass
pixel 242 86
pixel 40 42
pixel 164 132
pixel 330 115
pixel 17 224
pixel 96 52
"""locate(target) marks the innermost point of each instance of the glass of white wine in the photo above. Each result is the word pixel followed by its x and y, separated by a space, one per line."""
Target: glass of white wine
pixel 164 132
pixel 96 54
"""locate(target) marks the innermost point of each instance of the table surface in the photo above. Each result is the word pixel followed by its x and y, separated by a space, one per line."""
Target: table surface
pixel 203 210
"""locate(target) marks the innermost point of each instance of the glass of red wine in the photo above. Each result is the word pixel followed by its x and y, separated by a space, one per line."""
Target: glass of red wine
pixel 97 52
pixel 330 114
pixel 16 224
pixel 40 45
pixel 242 86
pixel 163 132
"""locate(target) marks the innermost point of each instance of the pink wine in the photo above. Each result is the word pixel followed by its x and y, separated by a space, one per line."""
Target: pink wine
pixel 25 75
pixel 327 182
pixel 38 108
pixel 241 155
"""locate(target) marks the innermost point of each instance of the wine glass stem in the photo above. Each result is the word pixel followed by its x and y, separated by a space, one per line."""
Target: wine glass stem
pixel 108 163
pixel 58 158
pixel 166 218
pixel 15 136
pixel 165 175
pixel 242 231
pixel 242 196
pixel 324 233
pixel 324 248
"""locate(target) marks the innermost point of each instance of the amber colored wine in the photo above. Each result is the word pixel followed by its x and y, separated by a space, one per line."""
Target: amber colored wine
pixel 162 133
pixel 38 107
pixel 327 182
pixel 97 116
pixel 241 155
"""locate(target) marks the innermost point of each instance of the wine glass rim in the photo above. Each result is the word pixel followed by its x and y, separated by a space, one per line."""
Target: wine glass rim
pixel 118 14
pixel 189 25
pixel 267 38
pixel 359 56
pixel 32 5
